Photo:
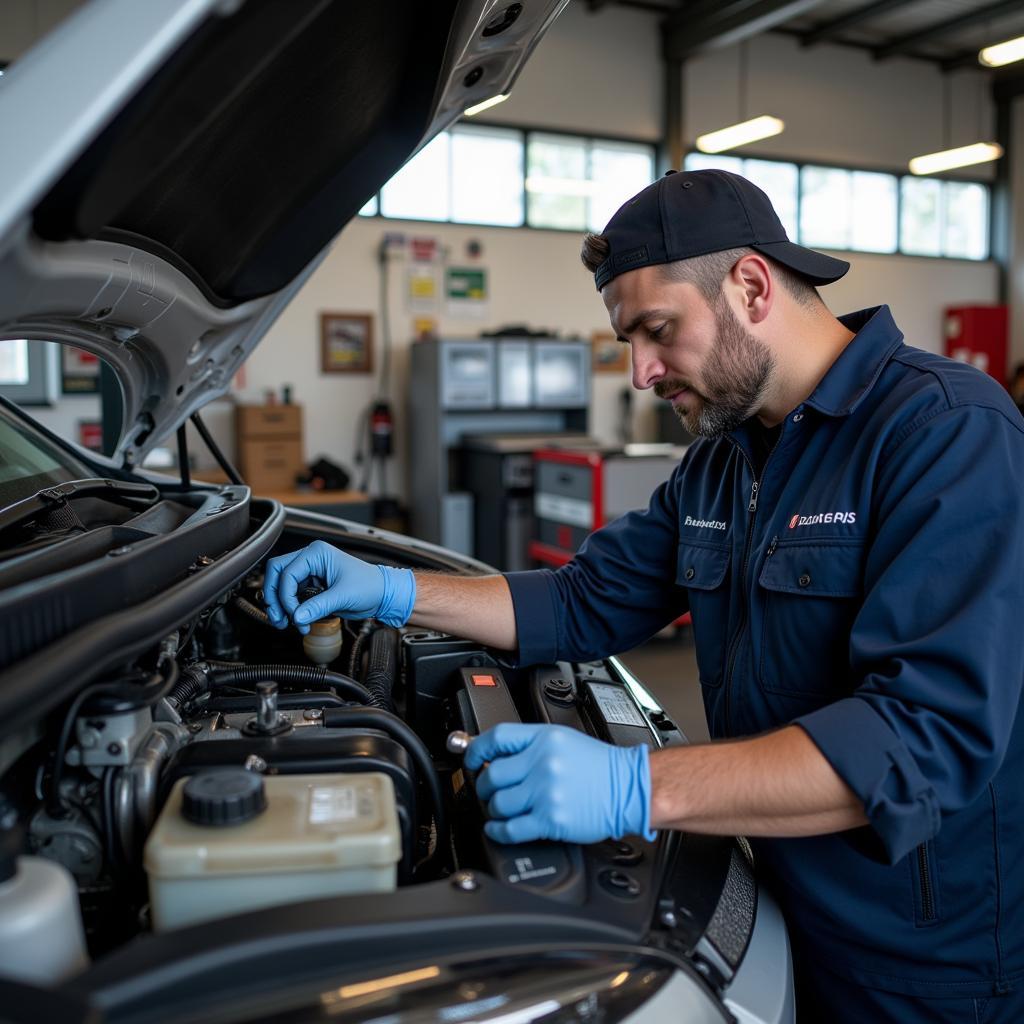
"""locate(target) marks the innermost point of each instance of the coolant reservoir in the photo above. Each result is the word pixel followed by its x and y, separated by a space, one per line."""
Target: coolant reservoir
pixel 229 840
pixel 41 935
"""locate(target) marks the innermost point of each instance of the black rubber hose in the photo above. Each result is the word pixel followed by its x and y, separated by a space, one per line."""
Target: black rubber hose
pixel 314 676
pixel 377 718
pixel 380 671
pixel 194 681
pixel 253 611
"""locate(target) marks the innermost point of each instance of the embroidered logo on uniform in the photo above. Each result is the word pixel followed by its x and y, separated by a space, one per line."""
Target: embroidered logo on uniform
pixel 704 524
pixel 823 517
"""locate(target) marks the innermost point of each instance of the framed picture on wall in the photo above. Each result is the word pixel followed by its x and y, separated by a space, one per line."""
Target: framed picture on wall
pixel 607 353
pixel 346 343
pixel 79 372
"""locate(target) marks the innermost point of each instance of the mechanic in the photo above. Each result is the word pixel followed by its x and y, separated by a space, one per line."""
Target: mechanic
pixel 848 534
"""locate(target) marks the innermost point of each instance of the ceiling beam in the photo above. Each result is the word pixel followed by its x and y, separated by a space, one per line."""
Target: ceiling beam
pixel 944 28
pixel 706 26
pixel 830 29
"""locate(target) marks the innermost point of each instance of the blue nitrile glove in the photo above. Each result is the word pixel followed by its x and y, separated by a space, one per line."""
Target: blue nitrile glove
pixel 355 589
pixel 553 782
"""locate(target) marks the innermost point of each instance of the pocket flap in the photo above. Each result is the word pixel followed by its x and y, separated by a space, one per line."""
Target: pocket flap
pixel 818 570
pixel 701 568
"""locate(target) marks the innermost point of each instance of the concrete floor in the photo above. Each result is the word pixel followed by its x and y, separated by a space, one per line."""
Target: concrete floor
pixel 668 668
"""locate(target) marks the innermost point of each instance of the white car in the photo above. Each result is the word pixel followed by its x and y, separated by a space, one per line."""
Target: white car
pixel 198 821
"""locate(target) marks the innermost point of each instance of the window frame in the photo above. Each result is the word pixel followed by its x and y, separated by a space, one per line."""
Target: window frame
pixel 524 132
pixel 899 176
pixel 590 139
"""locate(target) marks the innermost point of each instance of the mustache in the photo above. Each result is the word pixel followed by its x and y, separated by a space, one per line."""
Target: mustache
pixel 665 388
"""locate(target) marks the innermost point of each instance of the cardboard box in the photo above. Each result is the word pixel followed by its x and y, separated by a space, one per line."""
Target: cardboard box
pixel 270 464
pixel 278 421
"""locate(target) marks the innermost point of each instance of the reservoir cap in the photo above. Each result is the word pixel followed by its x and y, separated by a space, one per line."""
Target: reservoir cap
pixel 226 796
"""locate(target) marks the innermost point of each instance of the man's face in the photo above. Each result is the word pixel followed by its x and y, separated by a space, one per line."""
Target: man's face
pixel 695 355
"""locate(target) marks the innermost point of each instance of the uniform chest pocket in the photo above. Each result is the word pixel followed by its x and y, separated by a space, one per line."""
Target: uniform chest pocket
pixel 811 594
pixel 704 572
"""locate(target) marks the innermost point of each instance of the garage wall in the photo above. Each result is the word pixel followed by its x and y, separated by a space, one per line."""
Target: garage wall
pixel 602 74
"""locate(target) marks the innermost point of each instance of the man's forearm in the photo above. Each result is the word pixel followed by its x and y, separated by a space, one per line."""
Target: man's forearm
pixel 778 784
pixel 475 607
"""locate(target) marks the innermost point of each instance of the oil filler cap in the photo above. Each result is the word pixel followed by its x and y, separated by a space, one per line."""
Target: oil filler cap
pixel 228 796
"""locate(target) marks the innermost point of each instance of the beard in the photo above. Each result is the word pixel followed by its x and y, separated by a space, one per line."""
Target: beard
pixel 734 378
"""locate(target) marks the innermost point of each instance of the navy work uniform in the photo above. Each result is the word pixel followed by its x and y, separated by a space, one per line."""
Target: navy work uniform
pixel 859 572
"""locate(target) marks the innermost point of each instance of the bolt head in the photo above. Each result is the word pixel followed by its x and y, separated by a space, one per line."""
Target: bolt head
pixel 669 920
pixel 113 749
pixel 465 881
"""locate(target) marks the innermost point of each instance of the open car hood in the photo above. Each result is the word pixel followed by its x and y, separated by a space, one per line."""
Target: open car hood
pixel 164 199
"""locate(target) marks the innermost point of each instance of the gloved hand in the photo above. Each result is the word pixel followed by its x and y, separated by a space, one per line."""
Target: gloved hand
pixel 553 782
pixel 355 589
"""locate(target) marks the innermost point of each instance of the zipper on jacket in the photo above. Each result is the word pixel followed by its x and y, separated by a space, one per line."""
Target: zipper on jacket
pixel 752 509
pixel 734 645
pixel 925 876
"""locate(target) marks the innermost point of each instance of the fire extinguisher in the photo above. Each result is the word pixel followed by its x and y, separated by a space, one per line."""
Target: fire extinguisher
pixel 382 429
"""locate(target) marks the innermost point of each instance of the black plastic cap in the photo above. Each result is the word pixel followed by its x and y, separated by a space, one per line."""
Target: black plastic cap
pixel 225 796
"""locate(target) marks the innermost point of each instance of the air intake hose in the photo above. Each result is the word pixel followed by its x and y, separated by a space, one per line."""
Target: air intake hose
pixel 380 672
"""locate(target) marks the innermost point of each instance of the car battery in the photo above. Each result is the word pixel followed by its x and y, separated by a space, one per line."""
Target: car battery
pixel 578 491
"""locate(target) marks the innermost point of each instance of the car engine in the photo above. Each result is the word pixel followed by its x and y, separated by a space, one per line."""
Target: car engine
pixel 155 788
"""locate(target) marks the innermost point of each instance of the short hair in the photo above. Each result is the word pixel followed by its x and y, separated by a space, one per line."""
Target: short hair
pixel 706 273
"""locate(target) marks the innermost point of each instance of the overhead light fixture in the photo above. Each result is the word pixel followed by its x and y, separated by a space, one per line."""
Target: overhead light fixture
pixel 746 130
pixel 763 127
pixel 1002 53
pixel 561 186
pixel 485 105
pixel 962 156
pixel 948 158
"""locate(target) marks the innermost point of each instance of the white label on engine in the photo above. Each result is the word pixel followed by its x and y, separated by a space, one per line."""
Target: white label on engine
pixel 616 707
pixel 329 805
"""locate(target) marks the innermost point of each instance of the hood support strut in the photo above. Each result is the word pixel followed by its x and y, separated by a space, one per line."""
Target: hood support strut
pixel 222 460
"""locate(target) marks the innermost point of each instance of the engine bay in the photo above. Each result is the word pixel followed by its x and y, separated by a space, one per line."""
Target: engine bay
pixel 308 783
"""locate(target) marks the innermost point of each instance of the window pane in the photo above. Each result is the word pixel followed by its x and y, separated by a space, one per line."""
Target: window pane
pixel 14 362
pixel 369 207
pixel 825 207
pixel 779 182
pixel 556 182
pixel 487 176
pixel 873 222
pixel 619 170
pixel 920 223
pixel 966 227
pixel 420 190
pixel 710 161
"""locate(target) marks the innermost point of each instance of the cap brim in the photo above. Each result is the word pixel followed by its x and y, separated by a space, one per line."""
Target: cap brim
pixel 815 266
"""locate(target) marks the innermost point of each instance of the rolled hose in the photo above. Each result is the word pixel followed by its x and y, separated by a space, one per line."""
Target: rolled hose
pixel 380 671
pixel 385 721
pixel 203 676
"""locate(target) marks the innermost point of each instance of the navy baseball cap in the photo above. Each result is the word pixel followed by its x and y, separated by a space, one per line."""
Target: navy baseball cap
pixel 692 213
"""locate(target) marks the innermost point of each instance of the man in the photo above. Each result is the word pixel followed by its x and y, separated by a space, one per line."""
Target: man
pixel 848 534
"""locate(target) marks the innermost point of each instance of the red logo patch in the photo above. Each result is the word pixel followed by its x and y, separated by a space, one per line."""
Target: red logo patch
pixel 794 521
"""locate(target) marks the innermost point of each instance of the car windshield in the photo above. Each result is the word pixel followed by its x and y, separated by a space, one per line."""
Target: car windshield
pixel 28 462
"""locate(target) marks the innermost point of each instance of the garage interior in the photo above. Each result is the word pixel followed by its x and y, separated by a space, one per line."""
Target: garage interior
pixel 447 370
pixel 860 87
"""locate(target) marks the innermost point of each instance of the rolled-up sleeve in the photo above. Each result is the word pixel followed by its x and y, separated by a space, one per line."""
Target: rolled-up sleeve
pixel 618 590
pixel 937 647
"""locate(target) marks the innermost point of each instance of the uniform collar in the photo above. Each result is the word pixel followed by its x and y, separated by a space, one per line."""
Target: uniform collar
pixel 859 365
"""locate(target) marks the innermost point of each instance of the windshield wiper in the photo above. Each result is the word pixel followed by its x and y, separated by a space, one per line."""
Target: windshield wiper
pixel 51 498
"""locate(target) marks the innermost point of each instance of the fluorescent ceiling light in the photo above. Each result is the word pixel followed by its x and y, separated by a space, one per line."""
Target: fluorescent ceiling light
pixel 561 186
pixel 1003 53
pixel 964 156
pixel 485 105
pixel 763 127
